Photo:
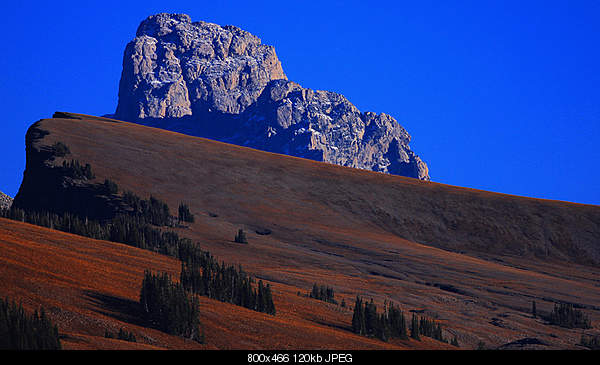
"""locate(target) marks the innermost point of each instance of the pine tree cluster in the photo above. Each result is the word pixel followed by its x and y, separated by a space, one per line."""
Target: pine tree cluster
pixel 110 187
pixel 184 213
pixel 565 315
pixel 139 227
pixel 322 292
pixel 122 335
pixel 392 323
pixel 226 284
pixel 152 211
pixel 591 342
pixel 72 168
pixel 76 170
pixel 20 331
pixel 168 307
pixel 133 230
pixel 60 149
pixel 429 328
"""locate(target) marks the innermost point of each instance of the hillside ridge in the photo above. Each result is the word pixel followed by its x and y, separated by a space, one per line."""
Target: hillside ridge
pixel 435 214
pixel 471 259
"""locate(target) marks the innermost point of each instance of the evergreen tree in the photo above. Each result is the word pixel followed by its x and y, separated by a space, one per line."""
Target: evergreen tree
pixel 382 330
pixel 167 306
pixel 21 331
pixel 414 328
pixel 60 149
pixel 184 213
pixel 454 342
pixel 397 323
pixel 371 318
pixel 358 317
pixel 315 291
pixel 241 237
pixel 269 305
pixel 260 302
pixel 591 342
pixel 75 170
pixel 110 187
pixel 124 335
pixel 323 293
pixel 87 172
pixel 565 315
pixel 366 321
pixel 201 274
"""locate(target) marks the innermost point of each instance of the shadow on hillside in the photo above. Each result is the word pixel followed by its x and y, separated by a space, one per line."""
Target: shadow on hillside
pixel 336 326
pixel 121 309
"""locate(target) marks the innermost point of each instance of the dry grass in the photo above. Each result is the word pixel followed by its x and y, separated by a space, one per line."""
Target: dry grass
pixel 88 287
pixel 469 258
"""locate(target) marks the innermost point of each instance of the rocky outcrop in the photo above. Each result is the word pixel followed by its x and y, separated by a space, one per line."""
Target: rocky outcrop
pixel 5 201
pixel 221 82
pixel 48 186
pixel 325 126
pixel 175 67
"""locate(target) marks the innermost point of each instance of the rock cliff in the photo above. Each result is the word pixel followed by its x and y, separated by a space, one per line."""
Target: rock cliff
pixel 221 82
pixel 5 201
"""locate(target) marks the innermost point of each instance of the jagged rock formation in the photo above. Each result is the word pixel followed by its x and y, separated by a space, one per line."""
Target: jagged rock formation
pixel 5 201
pixel 221 82
pixel 175 68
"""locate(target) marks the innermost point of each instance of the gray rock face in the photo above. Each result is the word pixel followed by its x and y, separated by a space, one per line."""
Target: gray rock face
pixel 325 126
pixel 221 82
pixel 175 67
pixel 5 201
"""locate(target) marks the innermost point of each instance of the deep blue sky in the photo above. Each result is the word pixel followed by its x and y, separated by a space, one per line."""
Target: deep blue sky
pixel 498 95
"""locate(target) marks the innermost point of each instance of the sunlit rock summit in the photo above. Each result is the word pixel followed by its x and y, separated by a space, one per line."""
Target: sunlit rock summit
pixel 5 201
pixel 221 82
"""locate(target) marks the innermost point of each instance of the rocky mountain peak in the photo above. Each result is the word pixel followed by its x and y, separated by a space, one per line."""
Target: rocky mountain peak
pixel 5 201
pixel 222 82
pixel 162 24
pixel 175 68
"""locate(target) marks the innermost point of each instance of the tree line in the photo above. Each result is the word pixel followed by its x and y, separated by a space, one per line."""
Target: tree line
pixel 226 283
pixel 72 168
pixel 565 315
pixel 591 342
pixel 367 322
pixel 121 335
pixel 76 170
pixel 140 225
pixel 184 213
pixel 168 307
pixel 392 323
pixel 133 230
pixel 151 211
pixel 137 228
pixel 20 331
pixel 323 293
